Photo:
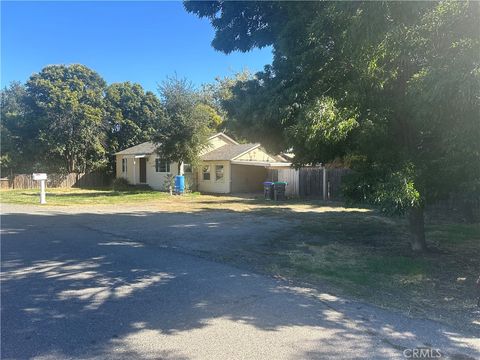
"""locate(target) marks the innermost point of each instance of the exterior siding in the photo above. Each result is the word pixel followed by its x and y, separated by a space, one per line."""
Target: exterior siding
pixel 256 155
pixel 212 185
pixel 157 180
pixel 154 180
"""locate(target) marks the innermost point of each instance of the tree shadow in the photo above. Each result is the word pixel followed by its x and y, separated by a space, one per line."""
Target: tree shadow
pixel 93 285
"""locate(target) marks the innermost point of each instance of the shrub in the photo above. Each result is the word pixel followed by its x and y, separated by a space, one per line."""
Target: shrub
pixel 120 184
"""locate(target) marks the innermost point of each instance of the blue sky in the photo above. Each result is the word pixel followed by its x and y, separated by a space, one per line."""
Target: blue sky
pixel 123 41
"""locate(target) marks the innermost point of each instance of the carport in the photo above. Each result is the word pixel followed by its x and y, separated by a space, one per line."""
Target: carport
pixel 248 176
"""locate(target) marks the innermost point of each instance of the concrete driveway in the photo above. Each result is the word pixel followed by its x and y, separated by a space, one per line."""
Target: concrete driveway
pixel 92 283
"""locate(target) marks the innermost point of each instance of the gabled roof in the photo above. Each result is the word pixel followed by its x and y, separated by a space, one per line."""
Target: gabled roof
pixel 148 147
pixel 145 148
pixel 226 137
pixel 229 152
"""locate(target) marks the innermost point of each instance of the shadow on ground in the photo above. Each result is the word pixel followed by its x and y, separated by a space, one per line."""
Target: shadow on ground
pixel 92 285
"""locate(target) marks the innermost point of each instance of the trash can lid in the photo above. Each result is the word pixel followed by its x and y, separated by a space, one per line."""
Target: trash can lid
pixel 280 183
pixel 268 183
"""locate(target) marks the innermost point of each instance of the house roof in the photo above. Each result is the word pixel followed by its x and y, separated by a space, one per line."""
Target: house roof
pixel 148 147
pixel 228 152
pixel 140 149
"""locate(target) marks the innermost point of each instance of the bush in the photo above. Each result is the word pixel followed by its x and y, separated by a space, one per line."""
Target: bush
pixel 120 184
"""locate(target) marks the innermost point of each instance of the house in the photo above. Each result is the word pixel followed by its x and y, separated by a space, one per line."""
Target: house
pixel 226 166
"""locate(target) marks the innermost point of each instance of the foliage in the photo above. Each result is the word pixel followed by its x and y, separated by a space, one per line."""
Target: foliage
pixel 405 76
pixel 183 132
pixel 120 184
pixel 21 149
pixel 68 103
pixel 169 182
pixel 133 115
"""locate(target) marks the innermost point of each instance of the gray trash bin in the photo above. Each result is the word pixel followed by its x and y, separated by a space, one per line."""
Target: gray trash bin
pixel 268 190
pixel 279 190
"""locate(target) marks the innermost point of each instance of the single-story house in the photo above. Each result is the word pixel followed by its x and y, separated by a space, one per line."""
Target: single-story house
pixel 226 166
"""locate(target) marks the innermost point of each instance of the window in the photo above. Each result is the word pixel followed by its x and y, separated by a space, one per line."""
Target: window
pixel 162 166
pixel 187 168
pixel 218 172
pixel 206 172
pixel 124 165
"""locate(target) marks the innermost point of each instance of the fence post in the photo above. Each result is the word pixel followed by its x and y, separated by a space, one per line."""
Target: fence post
pixel 324 190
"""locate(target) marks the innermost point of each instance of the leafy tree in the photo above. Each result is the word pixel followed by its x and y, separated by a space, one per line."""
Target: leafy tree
pixel 68 102
pixel 393 87
pixel 21 150
pixel 184 130
pixel 133 115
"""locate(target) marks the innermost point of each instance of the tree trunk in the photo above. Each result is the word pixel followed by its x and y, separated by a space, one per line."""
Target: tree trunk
pixel 417 229
pixel 179 164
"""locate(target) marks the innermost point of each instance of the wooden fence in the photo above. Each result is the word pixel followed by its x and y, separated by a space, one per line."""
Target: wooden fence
pixel 308 181
pixel 311 182
pixel 87 180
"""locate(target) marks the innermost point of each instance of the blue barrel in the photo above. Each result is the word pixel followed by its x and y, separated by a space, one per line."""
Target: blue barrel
pixel 179 184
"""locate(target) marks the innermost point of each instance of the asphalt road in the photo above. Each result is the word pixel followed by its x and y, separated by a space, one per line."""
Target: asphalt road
pixel 71 290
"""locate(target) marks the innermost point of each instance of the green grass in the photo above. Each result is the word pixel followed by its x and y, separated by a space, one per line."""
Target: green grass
pixel 64 197
pixel 368 256
pixel 451 234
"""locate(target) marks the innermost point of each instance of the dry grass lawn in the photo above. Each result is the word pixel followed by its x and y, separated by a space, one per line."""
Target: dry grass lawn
pixel 351 251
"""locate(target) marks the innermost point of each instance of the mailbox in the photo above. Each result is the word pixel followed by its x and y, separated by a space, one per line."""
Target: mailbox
pixel 42 177
pixel 39 176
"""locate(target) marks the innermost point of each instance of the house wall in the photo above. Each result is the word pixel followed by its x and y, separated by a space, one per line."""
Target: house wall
pixel 154 179
pixel 247 178
pixel 129 174
pixel 212 185
pixel 256 155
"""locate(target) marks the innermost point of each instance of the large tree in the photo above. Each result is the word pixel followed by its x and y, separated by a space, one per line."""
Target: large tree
pixel 391 87
pixel 183 132
pixel 21 149
pixel 133 115
pixel 68 101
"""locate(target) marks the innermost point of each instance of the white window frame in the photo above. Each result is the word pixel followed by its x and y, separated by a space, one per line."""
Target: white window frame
pixel 158 166
pixel 190 168
pixel 222 179
pixel 208 167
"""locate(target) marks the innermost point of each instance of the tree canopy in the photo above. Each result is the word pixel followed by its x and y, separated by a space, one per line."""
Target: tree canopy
pixel 392 88
pixel 188 122
pixel 68 101
pixel 133 116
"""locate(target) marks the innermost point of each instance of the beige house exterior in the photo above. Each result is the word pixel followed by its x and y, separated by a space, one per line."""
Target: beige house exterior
pixel 226 167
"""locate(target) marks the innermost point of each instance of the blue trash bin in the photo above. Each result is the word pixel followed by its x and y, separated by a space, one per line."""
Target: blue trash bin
pixel 268 190
pixel 179 184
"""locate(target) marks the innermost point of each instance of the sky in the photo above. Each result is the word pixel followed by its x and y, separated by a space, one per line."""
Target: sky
pixel 140 42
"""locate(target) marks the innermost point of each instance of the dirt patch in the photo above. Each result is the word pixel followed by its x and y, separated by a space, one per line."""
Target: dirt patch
pixel 347 251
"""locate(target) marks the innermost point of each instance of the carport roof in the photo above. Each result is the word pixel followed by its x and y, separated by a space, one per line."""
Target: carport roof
pixel 228 152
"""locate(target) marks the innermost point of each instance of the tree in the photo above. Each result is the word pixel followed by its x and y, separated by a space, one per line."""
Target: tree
pixel 391 87
pixel 184 130
pixel 133 115
pixel 68 101
pixel 21 150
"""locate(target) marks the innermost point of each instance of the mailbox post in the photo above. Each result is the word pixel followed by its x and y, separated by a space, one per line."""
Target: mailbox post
pixel 42 177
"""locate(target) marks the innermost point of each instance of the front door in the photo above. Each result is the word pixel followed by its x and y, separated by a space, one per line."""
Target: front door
pixel 143 170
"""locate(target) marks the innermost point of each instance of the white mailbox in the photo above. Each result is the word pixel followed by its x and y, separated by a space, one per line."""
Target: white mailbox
pixel 39 176
pixel 42 177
